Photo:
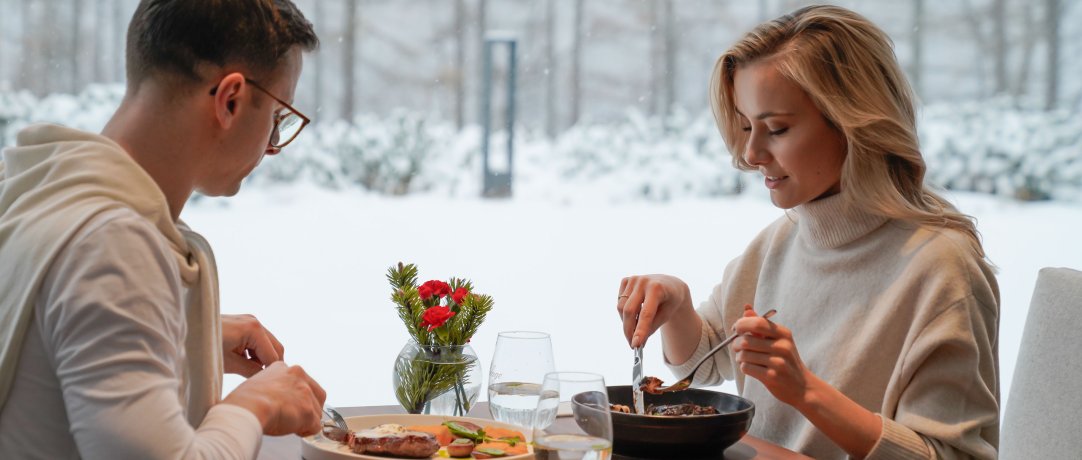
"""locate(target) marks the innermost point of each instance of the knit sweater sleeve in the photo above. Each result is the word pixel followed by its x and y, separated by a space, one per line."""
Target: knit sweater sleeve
pixel 948 407
pixel 719 369
pixel 114 323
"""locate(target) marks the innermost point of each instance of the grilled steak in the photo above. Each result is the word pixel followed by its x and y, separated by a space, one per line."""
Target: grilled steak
pixel 332 432
pixel 650 384
pixel 393 441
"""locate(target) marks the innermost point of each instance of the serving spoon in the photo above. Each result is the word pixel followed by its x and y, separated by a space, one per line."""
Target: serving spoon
pixel 685 382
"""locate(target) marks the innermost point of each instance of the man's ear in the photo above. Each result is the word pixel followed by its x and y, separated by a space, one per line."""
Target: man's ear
pixel 227 98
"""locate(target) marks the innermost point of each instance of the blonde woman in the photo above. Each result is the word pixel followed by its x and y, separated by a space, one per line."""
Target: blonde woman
pixel 885 341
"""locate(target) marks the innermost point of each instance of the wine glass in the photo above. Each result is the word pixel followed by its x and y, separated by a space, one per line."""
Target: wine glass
pixel 587 435
pixel 519 365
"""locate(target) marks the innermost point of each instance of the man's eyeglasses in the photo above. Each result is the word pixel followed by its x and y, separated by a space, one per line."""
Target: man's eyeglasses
pixel 288 122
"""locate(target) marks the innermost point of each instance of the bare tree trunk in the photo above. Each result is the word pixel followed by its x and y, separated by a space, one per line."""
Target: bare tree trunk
pixel 550 69
pixel 28 49
pixel 4 27
pixel 576 64
pixel 655 59
pixel 97 62
pixel 482 28
pixel 120 29
pixel 53 80
pixel 999 45
pixel 916 66
pixel 1028 42
pixel 671 49
pixel 973 20
pixel 348 59
pixel 76 20
pixel 320 61
pixel 460 64
pixel 1052 20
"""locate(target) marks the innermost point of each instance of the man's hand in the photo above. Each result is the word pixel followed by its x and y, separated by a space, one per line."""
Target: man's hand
pixel 248 347
pixel 284 399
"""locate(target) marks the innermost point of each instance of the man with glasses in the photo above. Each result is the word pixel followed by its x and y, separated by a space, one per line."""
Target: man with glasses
pixel 111 341
pixel 288 121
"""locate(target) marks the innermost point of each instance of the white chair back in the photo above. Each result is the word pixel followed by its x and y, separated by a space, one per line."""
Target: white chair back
pixel 1043 418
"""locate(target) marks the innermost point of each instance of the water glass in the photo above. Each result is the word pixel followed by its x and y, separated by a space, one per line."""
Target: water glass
pixel 519 365
pixel 587 435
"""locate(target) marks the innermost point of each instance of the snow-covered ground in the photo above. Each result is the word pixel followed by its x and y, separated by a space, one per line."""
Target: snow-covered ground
pixel 310 263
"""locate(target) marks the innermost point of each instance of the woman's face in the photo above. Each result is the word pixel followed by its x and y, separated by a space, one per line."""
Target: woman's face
pixel 787 138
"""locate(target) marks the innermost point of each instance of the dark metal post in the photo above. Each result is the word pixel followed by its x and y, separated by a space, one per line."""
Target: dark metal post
pixel 498 184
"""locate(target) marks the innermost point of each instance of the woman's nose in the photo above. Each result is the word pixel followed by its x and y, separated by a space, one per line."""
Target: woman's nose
pixel 755 153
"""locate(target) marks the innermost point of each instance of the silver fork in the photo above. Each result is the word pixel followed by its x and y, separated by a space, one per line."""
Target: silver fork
pixel 335 417
pixel 685 382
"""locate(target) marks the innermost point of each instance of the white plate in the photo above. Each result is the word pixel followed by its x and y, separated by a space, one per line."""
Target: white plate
pixel 317 447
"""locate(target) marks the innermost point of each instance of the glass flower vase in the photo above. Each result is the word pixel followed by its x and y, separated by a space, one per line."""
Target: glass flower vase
pixel 437 379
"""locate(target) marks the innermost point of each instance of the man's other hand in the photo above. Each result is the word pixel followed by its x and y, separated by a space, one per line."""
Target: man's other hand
pixel 247 346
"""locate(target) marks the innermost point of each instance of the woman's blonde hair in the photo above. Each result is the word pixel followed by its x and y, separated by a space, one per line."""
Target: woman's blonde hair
pixel 847 66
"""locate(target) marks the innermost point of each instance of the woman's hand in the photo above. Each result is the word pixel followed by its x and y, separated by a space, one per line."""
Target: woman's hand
pixel 646 302
pixel 767 353
pixel 247 346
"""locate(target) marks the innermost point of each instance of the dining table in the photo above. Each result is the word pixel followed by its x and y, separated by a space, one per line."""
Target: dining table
pixel 749 447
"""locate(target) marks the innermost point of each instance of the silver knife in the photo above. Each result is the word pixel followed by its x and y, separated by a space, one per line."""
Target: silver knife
pixel 636 383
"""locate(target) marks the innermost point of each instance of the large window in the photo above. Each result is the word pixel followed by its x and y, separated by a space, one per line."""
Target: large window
pixel 616 167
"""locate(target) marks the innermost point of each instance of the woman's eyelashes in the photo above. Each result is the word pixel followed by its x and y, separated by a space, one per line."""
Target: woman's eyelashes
pixel 772 132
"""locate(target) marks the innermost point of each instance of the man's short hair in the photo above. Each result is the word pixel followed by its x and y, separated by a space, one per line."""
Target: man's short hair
pixel 172 38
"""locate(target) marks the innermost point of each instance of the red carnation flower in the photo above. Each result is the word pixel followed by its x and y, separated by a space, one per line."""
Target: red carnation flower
pixel 433 288
pixel 459 295
pixel 435 317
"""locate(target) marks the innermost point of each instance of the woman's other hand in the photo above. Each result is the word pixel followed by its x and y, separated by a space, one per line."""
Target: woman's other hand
pixel 767 353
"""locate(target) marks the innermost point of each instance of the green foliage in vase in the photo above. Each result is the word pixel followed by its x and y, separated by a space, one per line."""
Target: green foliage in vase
pixel 441 317
pixel 427 372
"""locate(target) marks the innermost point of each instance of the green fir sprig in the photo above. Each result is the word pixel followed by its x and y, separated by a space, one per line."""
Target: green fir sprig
pixel 403 279
pixel 411 308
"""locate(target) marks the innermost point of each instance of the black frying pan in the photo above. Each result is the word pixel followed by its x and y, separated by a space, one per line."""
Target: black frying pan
pixel 653 436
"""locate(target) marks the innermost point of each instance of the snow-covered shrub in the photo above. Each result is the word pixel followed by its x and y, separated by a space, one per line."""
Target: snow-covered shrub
pixel 647 158
pixel 89 110
pixel 391 155
pixel 995 147
pixel 988 146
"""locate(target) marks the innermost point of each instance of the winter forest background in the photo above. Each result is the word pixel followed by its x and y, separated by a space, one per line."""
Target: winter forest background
pixel 615 156
pixel 605 88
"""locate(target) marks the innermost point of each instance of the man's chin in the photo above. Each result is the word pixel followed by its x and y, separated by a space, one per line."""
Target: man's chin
pixel 221 192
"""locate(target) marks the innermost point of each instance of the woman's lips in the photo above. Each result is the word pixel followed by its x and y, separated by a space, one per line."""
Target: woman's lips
pixel 773 182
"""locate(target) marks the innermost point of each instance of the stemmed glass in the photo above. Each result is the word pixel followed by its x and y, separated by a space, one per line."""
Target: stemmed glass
pixel 588 434
pixel 519 365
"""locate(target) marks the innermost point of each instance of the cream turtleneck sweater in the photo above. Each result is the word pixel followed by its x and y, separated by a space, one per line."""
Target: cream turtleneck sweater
pixel 902 319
